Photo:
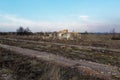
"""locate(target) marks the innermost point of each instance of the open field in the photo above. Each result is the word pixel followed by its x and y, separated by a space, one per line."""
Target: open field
pixel 96 54
pixel 94 48
pixel 17 67
pixel 59 39
pixel 104 72
pixel 96 40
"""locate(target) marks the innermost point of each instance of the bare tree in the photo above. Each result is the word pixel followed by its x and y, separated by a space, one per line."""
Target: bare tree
pixel 22 31
pixel 27 31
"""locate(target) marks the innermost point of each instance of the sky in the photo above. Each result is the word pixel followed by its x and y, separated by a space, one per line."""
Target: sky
pixel 55 15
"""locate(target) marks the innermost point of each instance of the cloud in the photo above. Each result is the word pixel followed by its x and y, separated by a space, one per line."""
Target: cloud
pixel 84 17
pixel 12 22
pixel 15 19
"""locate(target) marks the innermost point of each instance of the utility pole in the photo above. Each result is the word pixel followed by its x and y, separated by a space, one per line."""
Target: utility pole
pixel 113 32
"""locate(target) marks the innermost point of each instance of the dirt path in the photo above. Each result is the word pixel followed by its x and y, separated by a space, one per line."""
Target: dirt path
pixel 87 67
pixel 82 47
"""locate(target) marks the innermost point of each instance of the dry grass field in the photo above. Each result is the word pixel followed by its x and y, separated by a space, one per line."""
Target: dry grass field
pixel 99 48
pixel 18 67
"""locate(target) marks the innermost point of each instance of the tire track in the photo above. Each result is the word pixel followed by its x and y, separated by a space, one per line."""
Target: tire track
pixel 86 67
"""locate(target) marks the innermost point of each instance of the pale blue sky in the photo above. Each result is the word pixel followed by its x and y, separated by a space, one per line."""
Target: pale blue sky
pixel 51 15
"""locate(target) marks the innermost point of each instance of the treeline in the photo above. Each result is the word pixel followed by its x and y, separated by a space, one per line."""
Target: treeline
pixel 19 31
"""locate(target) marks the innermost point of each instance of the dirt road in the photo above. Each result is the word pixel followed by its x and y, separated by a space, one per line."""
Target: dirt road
pixel 87 67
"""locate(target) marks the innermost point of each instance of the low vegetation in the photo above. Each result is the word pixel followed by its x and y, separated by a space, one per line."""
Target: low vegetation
pixel 18 67
pixel 96 40
pixel 100 56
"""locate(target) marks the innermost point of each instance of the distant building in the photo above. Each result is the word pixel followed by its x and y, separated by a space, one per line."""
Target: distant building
pixel 65 34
